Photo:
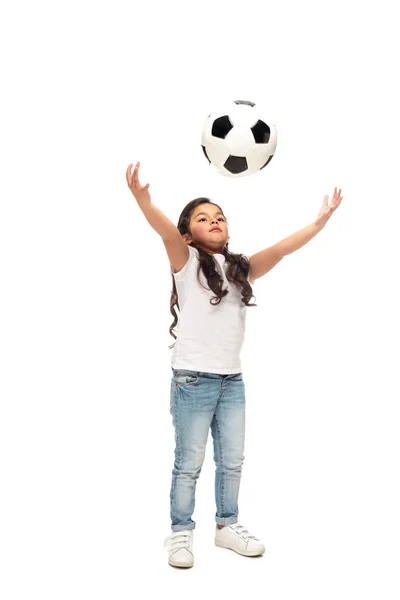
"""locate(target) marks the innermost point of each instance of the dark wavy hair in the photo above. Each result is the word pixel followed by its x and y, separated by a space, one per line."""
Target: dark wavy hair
pixel 237 271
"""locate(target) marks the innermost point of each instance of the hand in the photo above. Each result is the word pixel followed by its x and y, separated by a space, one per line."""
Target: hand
pixel 328 209
pixel 140 191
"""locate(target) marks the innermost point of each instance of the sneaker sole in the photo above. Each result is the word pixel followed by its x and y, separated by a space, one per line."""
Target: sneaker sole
pixel 180 565
pixel 243 553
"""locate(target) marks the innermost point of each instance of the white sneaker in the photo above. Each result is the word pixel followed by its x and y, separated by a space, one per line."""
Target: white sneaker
pixel 237 538
pixel 180 545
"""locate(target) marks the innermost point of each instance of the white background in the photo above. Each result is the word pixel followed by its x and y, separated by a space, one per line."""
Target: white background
pixel 86 438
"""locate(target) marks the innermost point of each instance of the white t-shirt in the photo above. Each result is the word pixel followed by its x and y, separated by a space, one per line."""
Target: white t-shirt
pixel 209 337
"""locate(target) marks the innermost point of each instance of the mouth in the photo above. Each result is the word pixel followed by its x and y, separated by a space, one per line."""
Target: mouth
pixel 215 229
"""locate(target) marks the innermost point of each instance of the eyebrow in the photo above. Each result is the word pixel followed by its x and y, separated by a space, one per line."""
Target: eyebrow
pixel 204 213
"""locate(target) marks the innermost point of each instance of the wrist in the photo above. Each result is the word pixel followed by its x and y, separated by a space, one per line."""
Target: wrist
pixel 318 226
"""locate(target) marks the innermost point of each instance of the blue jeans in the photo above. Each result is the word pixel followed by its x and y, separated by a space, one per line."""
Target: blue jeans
pixel 200 401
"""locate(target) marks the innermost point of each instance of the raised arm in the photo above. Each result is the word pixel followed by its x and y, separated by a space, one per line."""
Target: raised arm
pixel 175 245
pixel 264 261
pixel 159 222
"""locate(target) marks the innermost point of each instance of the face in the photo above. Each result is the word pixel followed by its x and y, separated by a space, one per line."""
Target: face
pixel 204 218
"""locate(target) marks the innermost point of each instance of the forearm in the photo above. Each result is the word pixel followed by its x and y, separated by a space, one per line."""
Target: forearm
pixel 159 222
pixel 296 240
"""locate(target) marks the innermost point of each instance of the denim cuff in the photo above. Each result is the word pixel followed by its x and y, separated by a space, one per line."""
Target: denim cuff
pixel 226 520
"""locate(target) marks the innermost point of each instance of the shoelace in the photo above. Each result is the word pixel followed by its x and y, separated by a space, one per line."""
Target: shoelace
pixel 243 532
pixel 178 539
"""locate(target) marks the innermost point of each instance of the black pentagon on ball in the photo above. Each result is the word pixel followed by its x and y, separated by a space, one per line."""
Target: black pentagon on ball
pixel 205 153
pixel 221 127
pixel 261 132
pixel 244 102
pixel 236 164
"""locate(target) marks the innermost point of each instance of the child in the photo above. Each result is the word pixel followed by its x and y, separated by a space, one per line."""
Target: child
pixel 211 287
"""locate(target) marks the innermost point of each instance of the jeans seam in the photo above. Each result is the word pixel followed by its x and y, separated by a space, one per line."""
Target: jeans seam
pixel 222 480
pixel 177 457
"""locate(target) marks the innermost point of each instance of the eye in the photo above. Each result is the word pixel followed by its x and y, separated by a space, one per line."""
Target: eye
pixel 219 219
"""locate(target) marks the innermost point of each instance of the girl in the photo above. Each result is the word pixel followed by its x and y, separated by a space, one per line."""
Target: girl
pixel 212 290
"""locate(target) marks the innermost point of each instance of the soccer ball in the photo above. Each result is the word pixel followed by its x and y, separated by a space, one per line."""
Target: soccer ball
pixel 238 140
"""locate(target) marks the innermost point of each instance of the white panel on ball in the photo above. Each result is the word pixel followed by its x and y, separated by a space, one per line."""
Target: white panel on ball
pixel 218 153
pixel 240 140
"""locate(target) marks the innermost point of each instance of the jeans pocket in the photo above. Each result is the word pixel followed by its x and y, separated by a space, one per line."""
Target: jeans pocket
pixel 185 378
pixel 236 377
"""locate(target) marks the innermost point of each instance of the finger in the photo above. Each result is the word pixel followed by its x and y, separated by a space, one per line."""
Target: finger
pixel 326 199
pixel 136 173
pixel 129 174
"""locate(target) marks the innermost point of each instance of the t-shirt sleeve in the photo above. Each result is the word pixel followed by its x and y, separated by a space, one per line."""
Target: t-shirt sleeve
pixel 190 263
